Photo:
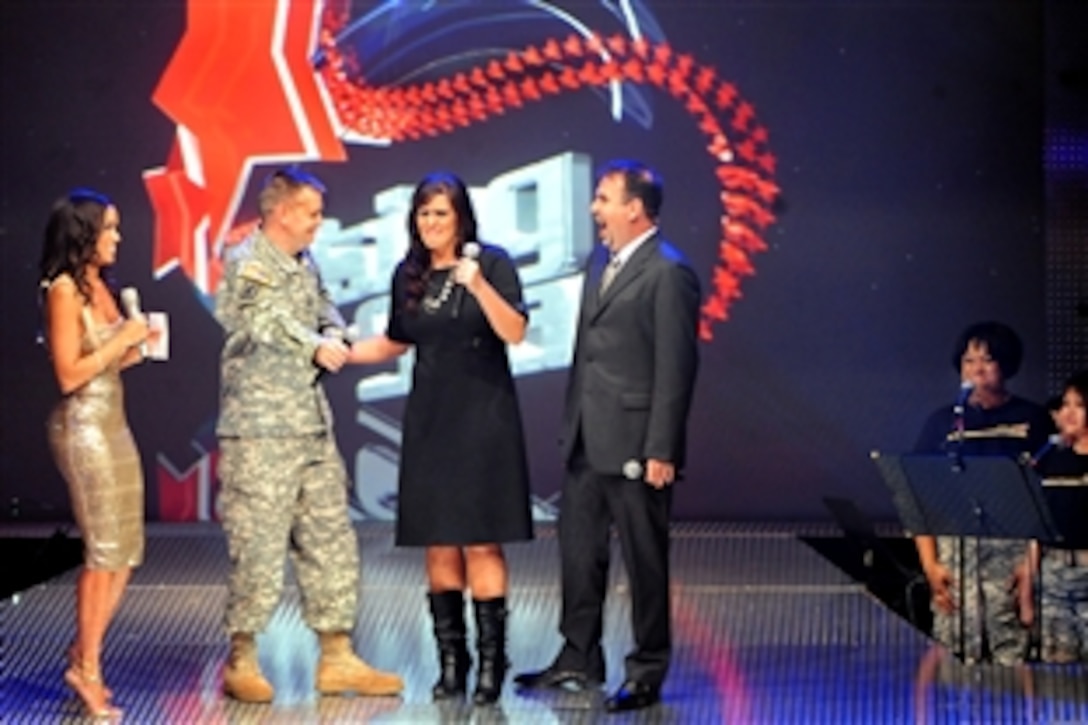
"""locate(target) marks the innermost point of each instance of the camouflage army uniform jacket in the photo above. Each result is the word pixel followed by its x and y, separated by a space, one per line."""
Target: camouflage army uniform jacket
pixel 273 309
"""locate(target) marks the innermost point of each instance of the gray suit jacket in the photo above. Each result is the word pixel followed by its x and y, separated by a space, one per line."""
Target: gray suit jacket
pixel 635 360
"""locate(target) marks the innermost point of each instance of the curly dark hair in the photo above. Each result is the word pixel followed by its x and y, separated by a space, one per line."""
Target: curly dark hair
pixel 71 235
pixel 417 261
pixel 1001 342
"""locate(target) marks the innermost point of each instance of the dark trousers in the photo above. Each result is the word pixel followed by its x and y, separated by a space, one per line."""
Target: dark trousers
pixel 592 502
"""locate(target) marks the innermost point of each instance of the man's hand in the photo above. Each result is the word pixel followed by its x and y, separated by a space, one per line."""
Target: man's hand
pixel 659 473
pixel 331 354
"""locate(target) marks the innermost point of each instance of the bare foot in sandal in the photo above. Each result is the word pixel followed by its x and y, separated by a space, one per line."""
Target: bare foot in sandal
pixel 88 685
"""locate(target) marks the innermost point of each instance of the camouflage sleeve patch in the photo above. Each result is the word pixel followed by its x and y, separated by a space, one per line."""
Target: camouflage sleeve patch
pixel 253 271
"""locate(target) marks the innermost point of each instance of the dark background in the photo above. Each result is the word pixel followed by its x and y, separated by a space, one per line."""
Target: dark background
pixel 909 139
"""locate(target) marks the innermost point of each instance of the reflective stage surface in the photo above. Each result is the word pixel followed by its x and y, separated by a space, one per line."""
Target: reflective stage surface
pixel 765 631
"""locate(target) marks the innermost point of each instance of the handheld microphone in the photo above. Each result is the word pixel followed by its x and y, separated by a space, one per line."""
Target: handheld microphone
pixel 1054 440
pixel 961 400
pixel 130 300
pixel 471 250
pixel 633 469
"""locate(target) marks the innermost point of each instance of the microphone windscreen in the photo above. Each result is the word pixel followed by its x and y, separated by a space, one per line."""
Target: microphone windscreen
pixel 130 300
pixel 471 250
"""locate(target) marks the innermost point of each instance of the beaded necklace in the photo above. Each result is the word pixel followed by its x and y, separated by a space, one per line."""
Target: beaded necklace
pixel 432 303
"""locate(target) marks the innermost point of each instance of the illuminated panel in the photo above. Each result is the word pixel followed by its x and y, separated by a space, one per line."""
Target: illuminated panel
pixel 1066 160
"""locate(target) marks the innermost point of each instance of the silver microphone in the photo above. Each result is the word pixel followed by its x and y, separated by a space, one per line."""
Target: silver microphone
pixel 961 400
pixel 470 250
pixel 632 470
pixel 1054 440
pixel 130 300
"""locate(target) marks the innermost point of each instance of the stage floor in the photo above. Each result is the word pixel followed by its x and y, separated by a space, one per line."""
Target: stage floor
pixel 765 631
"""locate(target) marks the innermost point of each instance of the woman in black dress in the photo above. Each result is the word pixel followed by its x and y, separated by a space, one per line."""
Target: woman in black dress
pixel 464 486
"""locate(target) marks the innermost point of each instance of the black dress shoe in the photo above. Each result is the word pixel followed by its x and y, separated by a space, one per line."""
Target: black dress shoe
pixel 633 695
pixel 555 679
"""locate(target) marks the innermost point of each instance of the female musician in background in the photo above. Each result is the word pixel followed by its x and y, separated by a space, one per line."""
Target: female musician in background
pixel 1064 580
pixel 987 420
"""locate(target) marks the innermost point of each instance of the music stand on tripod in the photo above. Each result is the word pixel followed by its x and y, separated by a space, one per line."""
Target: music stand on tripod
pixel 992 497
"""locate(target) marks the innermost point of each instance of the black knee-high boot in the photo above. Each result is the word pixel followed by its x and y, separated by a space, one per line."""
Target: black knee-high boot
pixel 448 612
pixel 491 648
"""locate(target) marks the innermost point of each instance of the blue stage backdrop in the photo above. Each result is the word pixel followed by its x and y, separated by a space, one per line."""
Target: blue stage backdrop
pixel 855 182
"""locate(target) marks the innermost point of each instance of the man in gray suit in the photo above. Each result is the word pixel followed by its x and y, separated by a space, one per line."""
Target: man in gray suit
pixel 623 436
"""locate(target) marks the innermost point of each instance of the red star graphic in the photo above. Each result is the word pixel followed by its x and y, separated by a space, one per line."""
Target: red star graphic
pixel 179 205
pixel 241 82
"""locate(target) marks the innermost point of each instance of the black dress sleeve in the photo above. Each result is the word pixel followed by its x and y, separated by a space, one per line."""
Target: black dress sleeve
pixel 499 270
pixel 394 330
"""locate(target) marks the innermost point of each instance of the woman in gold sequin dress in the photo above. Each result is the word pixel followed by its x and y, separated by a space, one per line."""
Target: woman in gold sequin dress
pixel 90 343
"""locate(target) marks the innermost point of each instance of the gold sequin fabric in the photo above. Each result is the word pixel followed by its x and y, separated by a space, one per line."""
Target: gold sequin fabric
pixel 94 449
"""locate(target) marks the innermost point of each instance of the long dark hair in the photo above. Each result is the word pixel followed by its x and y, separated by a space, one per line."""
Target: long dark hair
pixel 417 261
pixel 71 236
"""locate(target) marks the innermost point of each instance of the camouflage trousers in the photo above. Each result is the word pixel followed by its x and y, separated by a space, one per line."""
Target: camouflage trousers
pixel 982 571
pixel 1064 614
pixel 280 497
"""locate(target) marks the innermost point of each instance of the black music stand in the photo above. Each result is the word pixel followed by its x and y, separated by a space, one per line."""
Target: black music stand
pixel 993 497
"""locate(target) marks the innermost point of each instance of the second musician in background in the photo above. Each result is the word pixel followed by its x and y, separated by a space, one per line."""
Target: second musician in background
pixel 1064 580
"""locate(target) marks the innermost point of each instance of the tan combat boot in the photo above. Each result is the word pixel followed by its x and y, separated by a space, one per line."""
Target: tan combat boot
pixel 342 672
pixel 242 678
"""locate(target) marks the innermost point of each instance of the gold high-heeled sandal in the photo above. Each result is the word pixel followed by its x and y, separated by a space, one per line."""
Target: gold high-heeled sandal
pixel 75 662
pixel 84 684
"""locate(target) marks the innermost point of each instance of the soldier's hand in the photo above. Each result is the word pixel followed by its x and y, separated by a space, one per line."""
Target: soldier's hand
pixel 331 355
pixel 940 586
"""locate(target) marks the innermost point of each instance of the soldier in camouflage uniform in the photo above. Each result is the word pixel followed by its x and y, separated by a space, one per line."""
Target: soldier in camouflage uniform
pixel 284 482
pixel 981 583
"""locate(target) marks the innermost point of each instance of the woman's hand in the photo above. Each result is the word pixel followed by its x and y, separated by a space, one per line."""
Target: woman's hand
pixel 134 331
pixel 940 585
pixel 467 273
pixel 1020 583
